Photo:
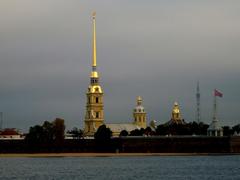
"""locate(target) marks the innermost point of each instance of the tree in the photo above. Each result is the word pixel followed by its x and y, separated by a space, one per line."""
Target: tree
pixel 123 133
pixel 137 132
pixel 47 133
pixel 191 128
pixel 162 130
pixel 148 131
pixel 35 135
pixel 103 133
pixel 236 129
pixel 227 131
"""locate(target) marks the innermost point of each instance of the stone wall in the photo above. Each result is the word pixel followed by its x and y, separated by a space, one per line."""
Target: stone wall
pixel 180 144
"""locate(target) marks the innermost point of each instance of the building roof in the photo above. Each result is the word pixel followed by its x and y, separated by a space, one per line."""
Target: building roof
pixel 117 128
pixel 9 132
pixel 173 121
pixel 214 126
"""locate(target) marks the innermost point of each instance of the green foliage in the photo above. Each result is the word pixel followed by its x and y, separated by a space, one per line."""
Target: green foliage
pixel 236 129
pixel 227 131
pixel 149 132
pixel 191 128
pixel 47 133
pixel 35 135
pixel 103 133
pixel 137 132
pixel 123 133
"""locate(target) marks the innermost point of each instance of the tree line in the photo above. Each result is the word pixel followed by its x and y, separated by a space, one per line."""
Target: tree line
pixel 54 132
pixel 48 132
pixel 192 129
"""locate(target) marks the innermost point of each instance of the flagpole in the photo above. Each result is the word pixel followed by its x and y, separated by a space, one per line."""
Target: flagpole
pixel 214 107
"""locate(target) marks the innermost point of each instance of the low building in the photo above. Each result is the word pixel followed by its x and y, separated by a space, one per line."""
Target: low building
pixel 118 128
pixel 214 129
pixel 140 120
pixel 10 133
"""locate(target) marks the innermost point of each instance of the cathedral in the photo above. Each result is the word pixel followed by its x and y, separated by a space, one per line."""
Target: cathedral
pixel 94 116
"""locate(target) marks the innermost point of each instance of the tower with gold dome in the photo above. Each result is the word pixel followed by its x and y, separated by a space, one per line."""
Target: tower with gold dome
pixel 176 115
pixel 139 114
pixel 94 116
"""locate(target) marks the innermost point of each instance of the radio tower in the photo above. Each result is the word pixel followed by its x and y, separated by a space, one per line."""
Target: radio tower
pixel 198 112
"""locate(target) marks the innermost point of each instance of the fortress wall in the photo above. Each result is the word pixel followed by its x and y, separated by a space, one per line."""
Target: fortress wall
pixel 178 144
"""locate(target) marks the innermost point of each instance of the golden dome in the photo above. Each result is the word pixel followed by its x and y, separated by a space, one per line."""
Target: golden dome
pixel 176 112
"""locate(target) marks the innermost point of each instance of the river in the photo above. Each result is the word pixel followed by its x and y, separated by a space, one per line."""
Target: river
pixel 149 167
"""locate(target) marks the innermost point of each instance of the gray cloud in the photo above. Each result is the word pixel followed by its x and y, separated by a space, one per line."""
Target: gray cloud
pixel 156 49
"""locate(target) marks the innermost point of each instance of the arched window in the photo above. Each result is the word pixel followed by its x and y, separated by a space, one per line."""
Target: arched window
pixel 97 114
pixel 97 99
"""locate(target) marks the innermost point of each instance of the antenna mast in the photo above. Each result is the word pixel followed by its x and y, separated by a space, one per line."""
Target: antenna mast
pixel 1 120
pixel 198 110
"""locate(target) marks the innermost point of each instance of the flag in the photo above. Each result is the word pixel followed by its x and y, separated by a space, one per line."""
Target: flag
pixel 217 93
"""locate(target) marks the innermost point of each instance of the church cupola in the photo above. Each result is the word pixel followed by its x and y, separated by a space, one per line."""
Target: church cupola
pixel 176 115
pixel 139 114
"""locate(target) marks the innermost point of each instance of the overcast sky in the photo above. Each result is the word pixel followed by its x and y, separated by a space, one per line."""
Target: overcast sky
pixel 156 49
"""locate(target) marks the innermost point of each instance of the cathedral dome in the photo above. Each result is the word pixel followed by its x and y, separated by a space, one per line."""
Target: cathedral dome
pixel 176 115
pixel 176 109
pixel 139 108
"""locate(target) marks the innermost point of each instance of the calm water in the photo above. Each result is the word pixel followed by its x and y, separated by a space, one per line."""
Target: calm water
pixel 155 167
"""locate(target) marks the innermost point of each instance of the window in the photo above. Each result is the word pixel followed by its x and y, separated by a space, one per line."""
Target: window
pixel 97 100
pixel 97 114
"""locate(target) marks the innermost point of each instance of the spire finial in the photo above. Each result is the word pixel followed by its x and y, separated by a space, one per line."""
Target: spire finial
pixel 94 14
pixel 94 55
pixel 139 100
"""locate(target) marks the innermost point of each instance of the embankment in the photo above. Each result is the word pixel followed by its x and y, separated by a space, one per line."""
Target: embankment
pixel 174 144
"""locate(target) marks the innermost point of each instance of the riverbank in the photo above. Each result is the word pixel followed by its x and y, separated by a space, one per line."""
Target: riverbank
pixel 42 155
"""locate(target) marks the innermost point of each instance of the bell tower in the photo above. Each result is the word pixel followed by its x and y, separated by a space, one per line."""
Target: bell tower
pixel 94 116
pixel 139 114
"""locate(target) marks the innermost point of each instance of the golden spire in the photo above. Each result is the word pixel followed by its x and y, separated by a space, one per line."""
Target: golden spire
pixel 94 55
pixel 94 73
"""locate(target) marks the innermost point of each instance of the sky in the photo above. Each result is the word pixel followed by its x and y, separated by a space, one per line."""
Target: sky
pixel 156 49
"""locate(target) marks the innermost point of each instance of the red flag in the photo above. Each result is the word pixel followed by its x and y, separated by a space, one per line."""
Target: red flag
pixel 217 93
